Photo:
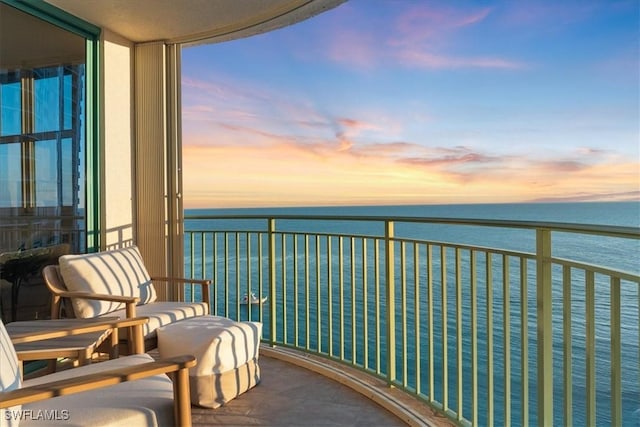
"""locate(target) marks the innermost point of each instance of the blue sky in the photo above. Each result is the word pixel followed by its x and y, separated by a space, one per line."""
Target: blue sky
pixel 408 102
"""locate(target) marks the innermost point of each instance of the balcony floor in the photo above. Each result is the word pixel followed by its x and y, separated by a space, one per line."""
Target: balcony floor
pixel 298 389
pixel 289 395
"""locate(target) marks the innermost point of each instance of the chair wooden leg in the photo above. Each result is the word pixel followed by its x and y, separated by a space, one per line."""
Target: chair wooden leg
pixel 84 357
pixel 55 306
pixel 181 398
pixel 113 349
pixel 135 340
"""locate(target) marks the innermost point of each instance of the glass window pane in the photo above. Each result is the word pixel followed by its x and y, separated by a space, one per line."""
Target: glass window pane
pixel 10 109
pixel 46 173
pixel 68 101
pixel 67 173
pixel 47 101
pixel 10 176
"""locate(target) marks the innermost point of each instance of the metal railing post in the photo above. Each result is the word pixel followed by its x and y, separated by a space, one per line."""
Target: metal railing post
pixel 616 360
pixel 390 297
pixel 272 279
pixel 545 327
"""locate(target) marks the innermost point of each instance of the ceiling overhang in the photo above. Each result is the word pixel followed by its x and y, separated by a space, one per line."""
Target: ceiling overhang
pixel 192 21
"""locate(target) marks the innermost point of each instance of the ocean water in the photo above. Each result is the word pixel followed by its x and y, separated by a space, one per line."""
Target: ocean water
pixel 615 253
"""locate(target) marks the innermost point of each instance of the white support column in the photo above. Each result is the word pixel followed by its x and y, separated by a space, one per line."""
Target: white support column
pixel 117 136
pixel 158 159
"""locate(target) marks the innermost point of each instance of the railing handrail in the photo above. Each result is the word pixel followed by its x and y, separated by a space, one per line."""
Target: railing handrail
pixel 597 229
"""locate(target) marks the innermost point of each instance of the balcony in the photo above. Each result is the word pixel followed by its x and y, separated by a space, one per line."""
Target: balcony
pixel 484 322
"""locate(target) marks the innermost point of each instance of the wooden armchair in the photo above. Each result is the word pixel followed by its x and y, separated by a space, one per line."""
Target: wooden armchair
pixel 141 394
pixel 116 283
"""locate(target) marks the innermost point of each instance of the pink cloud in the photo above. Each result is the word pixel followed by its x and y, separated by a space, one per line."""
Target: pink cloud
pixel 390 149
pixel 429 24
pixel 355 48
pixel 447 161
pixel 565 165
pixel 630 196
pixel 420 59
pixel 355 126
pixel 421 37
pixel 246 108
pixel 352 123
pixel 351 128
pixel 234 118
pixel 592 151
pixel 206 89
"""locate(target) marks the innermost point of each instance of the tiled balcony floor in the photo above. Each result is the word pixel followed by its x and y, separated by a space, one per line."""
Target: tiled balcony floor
pixel 294 391
pixel 289 395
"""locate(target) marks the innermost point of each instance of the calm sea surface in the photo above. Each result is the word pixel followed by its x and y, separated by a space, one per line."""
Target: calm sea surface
pixel 621 254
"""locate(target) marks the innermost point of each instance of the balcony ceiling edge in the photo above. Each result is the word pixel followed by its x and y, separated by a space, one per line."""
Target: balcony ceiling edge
pixel 192 21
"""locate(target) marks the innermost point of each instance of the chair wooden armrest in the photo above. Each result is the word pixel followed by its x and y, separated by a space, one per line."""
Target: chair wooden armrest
pixel 204 284
pixel 28 337
pixel 182 280
pixel 48 352
pixel 137 344
pixel 103 297
pixel 180 365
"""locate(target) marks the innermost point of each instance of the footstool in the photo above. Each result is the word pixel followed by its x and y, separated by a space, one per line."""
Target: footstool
pixel 226 351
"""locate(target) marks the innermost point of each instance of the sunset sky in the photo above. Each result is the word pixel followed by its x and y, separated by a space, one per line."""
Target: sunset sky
pixel 419 102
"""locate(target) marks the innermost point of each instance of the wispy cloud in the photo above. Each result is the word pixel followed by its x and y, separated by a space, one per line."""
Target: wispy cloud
pixel 355 48
pixel 425 59
pixel 451 158
pixel 565 165
pixel 430 23
pixel 242 112
pixel 422 37
pixel 627 196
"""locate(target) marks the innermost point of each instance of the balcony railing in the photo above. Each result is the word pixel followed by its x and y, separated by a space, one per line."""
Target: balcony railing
pixel 490 322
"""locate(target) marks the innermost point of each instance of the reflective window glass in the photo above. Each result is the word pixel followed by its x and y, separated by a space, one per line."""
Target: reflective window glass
pixel 11 111
pixel 10 167
pixel 47 101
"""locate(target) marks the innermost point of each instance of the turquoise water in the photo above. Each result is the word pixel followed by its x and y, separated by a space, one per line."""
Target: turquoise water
pixel 614 253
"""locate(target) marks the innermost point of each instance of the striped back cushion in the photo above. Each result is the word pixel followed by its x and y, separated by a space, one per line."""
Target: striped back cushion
pixel 118 272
